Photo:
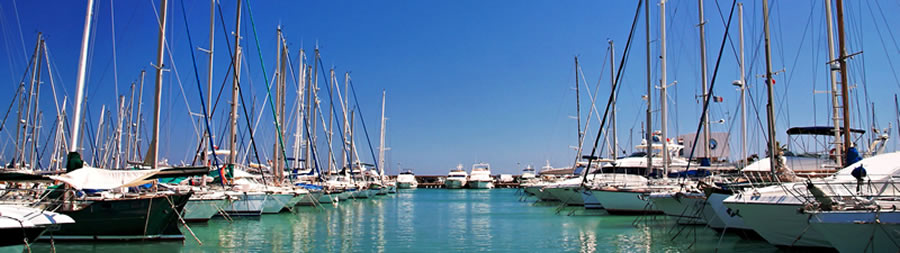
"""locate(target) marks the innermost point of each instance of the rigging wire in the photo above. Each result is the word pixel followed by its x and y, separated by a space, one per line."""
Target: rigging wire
pixel 199 87
pixel 712 83
pixel 615 87
pixel 268 87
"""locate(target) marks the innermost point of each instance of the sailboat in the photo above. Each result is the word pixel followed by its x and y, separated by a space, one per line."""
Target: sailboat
pixel 142 215
pixel 20 224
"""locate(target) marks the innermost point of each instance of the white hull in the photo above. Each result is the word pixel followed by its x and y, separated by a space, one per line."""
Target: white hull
pixel 276 202
pixel 202 209
pixel 625 202
pixel 455 184
pixel 481 184
pixel 686 209
pixel 359 194
pixel 327 198
pixel 345 195
pixel 407 185
pixel 590 202
pixel 297 198
pixel 859 231
pixel 567 195
pixel 246 204
pixel 720 217
pixel 539 192
pixel 779 224
pixel 310 199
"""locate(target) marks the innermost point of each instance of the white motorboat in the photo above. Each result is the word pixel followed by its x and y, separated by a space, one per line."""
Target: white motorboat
pixel 527 175
pixel 480 177
pixel 407 180
pixel 457 179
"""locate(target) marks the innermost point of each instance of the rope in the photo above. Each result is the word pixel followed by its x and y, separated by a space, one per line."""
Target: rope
pixel 172 204
pixel 363 121
pixel 612 95
pixel 268 87
pixel 712 84
pixel 199 88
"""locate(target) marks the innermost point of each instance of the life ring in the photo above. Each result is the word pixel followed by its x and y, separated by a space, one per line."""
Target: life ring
pixel 831 153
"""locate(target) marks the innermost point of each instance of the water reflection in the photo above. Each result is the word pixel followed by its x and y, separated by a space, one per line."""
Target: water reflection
pixel 435 220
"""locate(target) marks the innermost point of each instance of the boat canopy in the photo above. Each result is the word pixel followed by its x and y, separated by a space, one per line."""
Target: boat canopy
pixel 101 179
pixel 818 130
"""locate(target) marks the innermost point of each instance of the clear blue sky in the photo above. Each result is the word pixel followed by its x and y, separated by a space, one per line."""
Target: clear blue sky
pixel 466 81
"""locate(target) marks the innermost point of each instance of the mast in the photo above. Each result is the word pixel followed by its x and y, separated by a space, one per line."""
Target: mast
pixel 352 115
pixel 612 82
pixel 209 77
pixel 314 105
pixel 137 126
pixel 743 87
pixel 381 139
pixel 649 133
pixel 770 107
pixel 31 115
pixel 842 61
pixel 577 103
pixel 345 149
pixel 299 123
pixel 276 152
pixel 235 89
pixel 663 84
pixel 153 151
pixel 835 108
pixel 331 162
pixel 704 81
pixel 79 91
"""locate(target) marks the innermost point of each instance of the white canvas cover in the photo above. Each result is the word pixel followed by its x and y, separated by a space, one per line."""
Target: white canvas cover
pixel 102 179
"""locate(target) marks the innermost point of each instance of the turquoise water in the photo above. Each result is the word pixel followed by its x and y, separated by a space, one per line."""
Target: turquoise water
pixel 438 220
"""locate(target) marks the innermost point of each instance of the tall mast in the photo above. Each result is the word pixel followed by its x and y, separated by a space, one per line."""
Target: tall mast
pixel 35 81
pixel 835 108
pixel 281 116
pixel 299 124
pixel 235 90
pixel 612 82
pixel 577 103
pixel 140 115
pixel 153 151
pixel 312 110
pixel 703 81
pixel 663 84
pixel 82 67
pixel 276 152
pixel 649 134
pixel 345 105
pixel 770 107
pixel 352 162
pixel 842 61
pixel 209 77
pixel 743 87
pixel 331 162
pixel 381 139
